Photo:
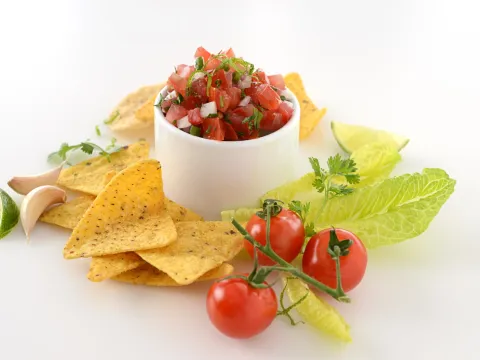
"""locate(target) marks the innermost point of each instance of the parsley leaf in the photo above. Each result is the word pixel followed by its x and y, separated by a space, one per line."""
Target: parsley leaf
pixel 302 210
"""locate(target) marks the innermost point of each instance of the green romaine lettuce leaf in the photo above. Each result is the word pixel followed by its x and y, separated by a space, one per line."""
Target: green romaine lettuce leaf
pixel 392 211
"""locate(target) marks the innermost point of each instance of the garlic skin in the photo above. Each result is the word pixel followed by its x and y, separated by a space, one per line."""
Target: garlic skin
pixel 24 184
pixel 35 203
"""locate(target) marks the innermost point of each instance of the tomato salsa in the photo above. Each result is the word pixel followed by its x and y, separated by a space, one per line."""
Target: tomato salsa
pixel 223 97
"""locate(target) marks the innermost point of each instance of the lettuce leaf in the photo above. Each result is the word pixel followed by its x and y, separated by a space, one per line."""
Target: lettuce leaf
pixel 392 211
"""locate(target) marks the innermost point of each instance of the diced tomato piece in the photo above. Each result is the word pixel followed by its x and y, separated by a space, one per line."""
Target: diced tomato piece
pixel 222 79
pixel 230 133
pixel 221 98
pixel 277 81
pixel 252 91
pixel 260 76
pixel 214 129
pixel 192 102
pixel 166 104
pixel 194 117
pixel 185 71
pixel 235 95
pixel 267 97
pixel 229 53
pixel 286 111
pixel 236 118
pixel 212 63
pixel 203 53
pixel 199 87
pixel 176 112
pixel 272 121
pixel 178 83
pixel 255 134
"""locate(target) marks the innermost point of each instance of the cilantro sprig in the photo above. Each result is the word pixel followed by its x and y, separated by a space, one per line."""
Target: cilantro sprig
pixel 337 167
pixel 253 121
pixel 87 147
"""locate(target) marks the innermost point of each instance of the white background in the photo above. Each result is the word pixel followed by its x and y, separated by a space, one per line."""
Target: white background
pixel 411 67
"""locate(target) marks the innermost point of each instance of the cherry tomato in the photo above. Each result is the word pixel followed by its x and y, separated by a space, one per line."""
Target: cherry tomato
pixel 287 235
pixel 318 263
pixel 239 310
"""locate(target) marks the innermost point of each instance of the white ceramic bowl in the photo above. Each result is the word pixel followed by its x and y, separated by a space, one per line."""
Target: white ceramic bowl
pixel 210 176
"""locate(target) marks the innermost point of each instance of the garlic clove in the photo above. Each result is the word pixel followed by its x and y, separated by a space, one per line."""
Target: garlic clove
pixel 36 202
pixel 24 184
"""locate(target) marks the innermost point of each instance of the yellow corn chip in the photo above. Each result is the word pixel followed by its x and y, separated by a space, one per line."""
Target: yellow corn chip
pixel 128 215
pixel 151 276
pixel 68 215
pixel 89 175
pixel 180 213
pixel 145 112
pixel 201 246
pixel 108 177
pixel 310 115
pixel 124 115
pixel 108 266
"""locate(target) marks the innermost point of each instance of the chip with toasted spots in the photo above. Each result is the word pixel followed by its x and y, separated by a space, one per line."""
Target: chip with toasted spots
pixel 108 266
pixel 200 247
pixel 310 115
pixel 181 213
pixel 148 275
pixel 69 214
pixel 128 215
pixel 135 111
pixel 89 176
pixel 108 177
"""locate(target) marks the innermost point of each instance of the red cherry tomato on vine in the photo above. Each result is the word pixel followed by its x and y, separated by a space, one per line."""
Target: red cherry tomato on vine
pixel 318 263
pixel 239 310
pixel 287 235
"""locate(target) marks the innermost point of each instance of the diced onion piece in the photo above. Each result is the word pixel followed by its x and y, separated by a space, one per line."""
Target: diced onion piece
pixel 197 76
pixel 208 108
pixel 289 103
pixel 245 82
pixel 245 101
pixel 171 95
pixel 183 122
pixel 286 94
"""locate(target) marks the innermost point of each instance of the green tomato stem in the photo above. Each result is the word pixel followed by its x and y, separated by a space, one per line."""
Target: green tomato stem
pixel 337 294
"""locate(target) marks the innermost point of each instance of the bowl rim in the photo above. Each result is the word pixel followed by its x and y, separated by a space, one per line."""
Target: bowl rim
pixel 161 121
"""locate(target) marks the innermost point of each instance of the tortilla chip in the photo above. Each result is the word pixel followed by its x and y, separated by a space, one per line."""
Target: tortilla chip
pixel 310 115
pixel 125 112
pixel 106 267
pixel 180 213
pixel 128 215
pixel 201 246
pixel 145 112
pixel 108 177
pixel 69 214
pixel 151 276
pixel 88 176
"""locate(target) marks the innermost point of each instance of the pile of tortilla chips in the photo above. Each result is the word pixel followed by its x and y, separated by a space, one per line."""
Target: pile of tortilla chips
pixel 132 232
pixel 136 110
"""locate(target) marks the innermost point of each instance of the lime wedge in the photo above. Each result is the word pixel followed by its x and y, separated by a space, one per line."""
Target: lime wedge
pixel 352 137
pixel 316 311
pixel 9 214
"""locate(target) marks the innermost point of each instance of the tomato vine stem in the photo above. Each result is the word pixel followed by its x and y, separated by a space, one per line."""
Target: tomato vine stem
pixel 284 266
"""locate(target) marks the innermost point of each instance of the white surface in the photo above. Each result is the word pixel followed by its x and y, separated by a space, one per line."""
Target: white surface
pixel 209 176
pixel 405 66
